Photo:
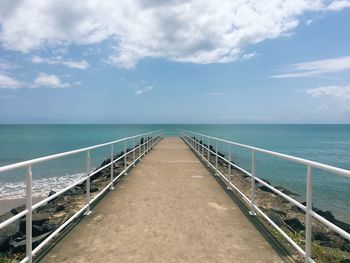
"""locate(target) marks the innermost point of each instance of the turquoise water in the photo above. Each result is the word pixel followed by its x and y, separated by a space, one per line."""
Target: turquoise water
pixel 328 144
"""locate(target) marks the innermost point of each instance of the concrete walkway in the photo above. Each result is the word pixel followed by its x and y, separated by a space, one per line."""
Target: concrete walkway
pixel 168 209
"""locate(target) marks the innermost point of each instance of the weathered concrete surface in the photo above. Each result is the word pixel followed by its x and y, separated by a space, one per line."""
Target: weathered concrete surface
pixel 168 209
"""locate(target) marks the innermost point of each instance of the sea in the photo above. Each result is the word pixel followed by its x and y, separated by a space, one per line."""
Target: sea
pixel 329 144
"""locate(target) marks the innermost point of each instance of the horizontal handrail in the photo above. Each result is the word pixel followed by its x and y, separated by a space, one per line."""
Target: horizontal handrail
pixel 314 164
pixel 195 142
pixel 142 148
pixel 68 153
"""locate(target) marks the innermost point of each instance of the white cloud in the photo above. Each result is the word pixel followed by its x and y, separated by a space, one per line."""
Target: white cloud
pixel 316 68
pixel 5 65
pixel 308 22
pixel 52 81
pixel 7 82
pixel 338 5
pixel 341 93
pixel 83 64
pixel 249 56
pixel 197 31
pixel 141 91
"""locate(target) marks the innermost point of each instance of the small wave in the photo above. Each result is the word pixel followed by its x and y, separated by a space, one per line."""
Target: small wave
pixel 41 187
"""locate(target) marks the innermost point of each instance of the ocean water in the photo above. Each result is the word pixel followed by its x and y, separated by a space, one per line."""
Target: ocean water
pixel 329 144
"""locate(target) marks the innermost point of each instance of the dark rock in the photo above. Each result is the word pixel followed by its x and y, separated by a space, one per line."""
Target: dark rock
pixel 93 188
pixel 264 188
pixel 14 211
pixel 294 208
pixel 19 244
pixel 60 208
pixel 38 219
pixel 330 217
pixel 346 246
pixel 320 236
pixel 221 154
pixel 328 244
pixel 50 226
pixel 73 191
pixel 326 214
pixel 46 227
pixel 285 191
pixel 295 224
pixel 278 210
pixel 6 233
pixel 50 194
pixel 342 225
pixel 276 218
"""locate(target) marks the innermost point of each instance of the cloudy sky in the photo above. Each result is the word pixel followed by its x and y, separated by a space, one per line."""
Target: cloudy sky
pixel 170 61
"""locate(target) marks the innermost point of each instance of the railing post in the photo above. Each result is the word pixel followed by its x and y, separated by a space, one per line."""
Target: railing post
pixel 112 166
pixel 252 197
pixel 208 151
pixel 229 162
pixel 125 154
pixel 202 147
pixel 87 199
pixel 133 150
pixel 29 214
pixel 308 219
pixel 229 166
pixel 139 147
pixel 147 145
pixel 216 155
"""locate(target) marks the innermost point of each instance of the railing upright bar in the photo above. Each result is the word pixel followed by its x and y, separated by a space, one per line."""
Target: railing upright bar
pixel 88 169
pixel 133 150
pixel 216 155
pixel 252 197
pixel 125 154
pixel 112 166
pixel 29 215
pixel 139 139
pixel 202 149
pixel 229 162
pixel 208 150
pixel 308 219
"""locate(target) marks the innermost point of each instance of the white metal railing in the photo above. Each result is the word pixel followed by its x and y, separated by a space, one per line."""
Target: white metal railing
pixel 193 140
pixel 150 139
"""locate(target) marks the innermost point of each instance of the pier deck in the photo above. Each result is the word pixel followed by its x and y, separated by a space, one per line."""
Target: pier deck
pixel 167 209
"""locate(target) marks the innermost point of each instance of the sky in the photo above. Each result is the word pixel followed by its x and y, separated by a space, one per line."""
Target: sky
pixel 171 61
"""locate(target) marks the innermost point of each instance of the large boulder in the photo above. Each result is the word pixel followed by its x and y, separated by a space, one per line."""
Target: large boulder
pixel 265 188
pixel 38 219
pixel 295 224
pixel 19 244
pixel 6 233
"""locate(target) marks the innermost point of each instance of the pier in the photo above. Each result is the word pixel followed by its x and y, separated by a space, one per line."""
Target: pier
pixel 172 199
pixel 167 209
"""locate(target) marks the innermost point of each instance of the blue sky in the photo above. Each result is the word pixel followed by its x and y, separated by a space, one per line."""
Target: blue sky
pixel 174 61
